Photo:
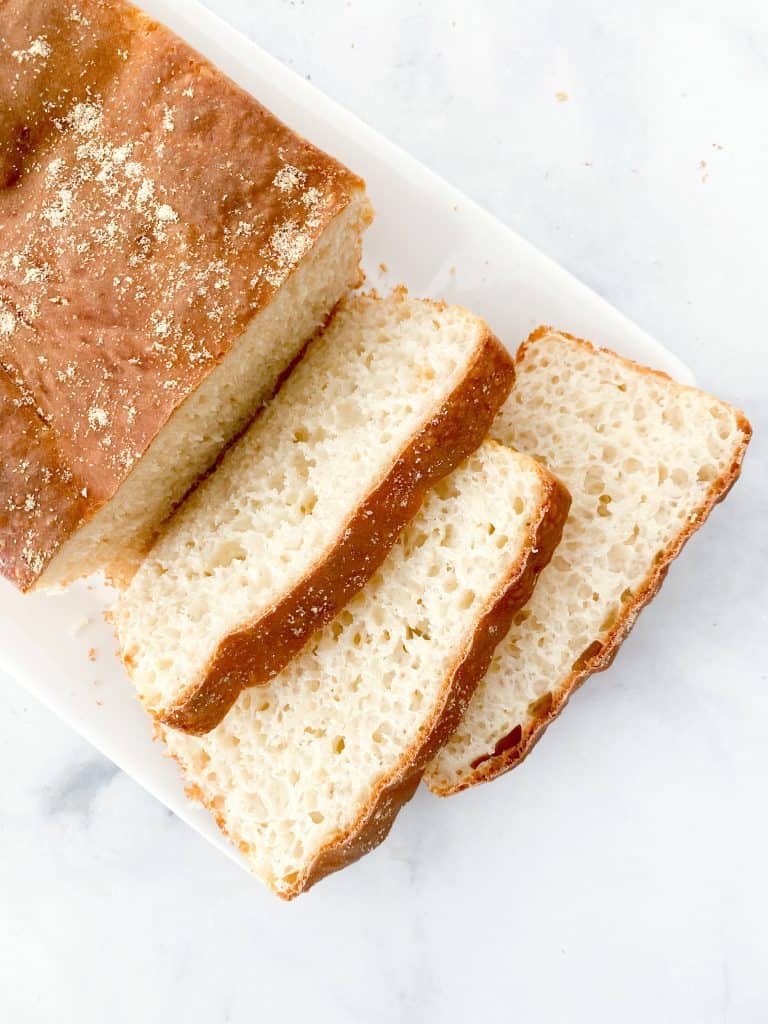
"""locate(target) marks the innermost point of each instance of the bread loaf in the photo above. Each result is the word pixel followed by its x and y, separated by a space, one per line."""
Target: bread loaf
pixel 167 247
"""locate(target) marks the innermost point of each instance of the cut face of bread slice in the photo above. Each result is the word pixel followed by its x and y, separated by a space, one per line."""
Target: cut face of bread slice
pixel 306 505
pixel 167 246
pixel 645 459
pixel 307 773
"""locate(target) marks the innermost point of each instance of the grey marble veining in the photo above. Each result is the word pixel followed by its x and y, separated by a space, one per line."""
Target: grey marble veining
pixel 619 874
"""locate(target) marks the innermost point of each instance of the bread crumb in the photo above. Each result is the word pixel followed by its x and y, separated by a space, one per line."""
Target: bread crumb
pixel 39 47
pixel 561 96
pixel 97 418
pixel 288 178
pixel 7 323
pixel 92 654
pixel 383 268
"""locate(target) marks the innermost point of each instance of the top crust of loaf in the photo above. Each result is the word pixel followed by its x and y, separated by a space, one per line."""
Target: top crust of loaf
pixel 257 649
pixel 522 735
pixel 149 209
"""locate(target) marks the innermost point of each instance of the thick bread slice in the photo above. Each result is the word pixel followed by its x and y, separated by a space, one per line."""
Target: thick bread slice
pixel 167 247
pixel 645 459
pixel 308 773
pixel 305 507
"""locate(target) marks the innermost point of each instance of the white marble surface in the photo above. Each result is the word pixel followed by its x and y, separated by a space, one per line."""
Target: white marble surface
pixel 619 874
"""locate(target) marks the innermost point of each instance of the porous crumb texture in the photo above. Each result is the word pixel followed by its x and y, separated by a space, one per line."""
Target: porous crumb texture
pixel 294 490
pixel 308 764
pixel 160 265
pixel 644 460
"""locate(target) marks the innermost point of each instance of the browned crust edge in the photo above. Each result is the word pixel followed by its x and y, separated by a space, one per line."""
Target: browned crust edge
pixel 517 747
pixel 256 652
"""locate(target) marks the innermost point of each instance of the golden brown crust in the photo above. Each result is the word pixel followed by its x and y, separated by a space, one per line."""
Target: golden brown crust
pixel 149 209
pixel 375 821
pixel 257 651
pixel 514 747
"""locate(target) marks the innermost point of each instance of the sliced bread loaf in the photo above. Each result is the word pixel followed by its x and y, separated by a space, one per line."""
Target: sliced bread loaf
pixel 306 505
pixel 167 247
pixel 308 773
pixel 645 459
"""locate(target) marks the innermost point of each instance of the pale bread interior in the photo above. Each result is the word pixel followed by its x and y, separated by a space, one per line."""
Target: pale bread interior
pixel 639 455
pixel 217 411
pixel 281 499
pixel 297 764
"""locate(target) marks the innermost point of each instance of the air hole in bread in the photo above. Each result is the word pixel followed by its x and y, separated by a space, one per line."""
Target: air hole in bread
pixel 589 654
pixel 609 621
pixel 679 477
pixel 542 706
pixel 508 742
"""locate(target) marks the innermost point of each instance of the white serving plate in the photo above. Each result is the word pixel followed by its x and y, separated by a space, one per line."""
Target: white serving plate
pixel 432 238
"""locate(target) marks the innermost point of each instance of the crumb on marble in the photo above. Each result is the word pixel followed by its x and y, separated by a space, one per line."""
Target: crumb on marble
pixel 561 96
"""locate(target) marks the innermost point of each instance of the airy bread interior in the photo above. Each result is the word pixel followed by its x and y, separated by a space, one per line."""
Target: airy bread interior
pixel 284 496
pixel 299 766
pixel 644 460
pixel 121 531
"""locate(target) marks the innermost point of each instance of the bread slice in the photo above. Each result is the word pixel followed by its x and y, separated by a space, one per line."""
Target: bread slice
pixel 309 772
pixel 645 459
pixel 167 247
pixel 305 507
